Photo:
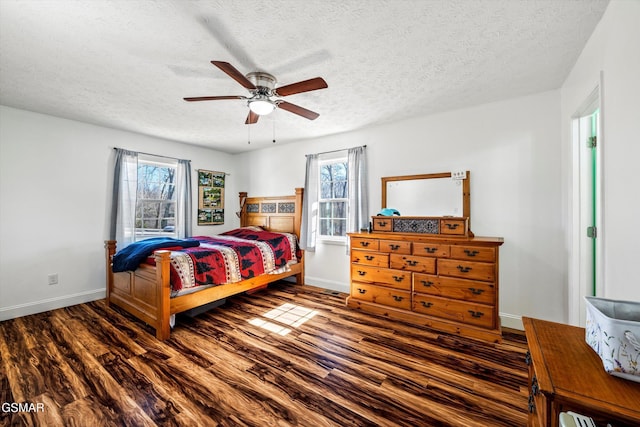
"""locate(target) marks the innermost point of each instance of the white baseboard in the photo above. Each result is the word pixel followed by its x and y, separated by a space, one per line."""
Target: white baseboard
pixel 6 313
pixel 327 284
pixel 511 321
pixel 34 307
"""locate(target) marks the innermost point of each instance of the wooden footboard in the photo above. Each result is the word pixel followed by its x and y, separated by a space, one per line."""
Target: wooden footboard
pixel 146 292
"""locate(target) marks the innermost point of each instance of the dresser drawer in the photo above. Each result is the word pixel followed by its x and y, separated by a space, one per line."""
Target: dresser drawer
pixel 394 278
pixel 381 295
pixel 473 253
pixel 395 246
pixel 370 258
pixel 462 289
pixel 466 269
pixel 472 314
pixel 413 263
pixel 453 226
pixel 431 249
pixel 365 243
pixel 382 224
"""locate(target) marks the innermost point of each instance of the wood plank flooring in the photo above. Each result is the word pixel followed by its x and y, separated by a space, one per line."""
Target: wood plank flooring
pixel 89 365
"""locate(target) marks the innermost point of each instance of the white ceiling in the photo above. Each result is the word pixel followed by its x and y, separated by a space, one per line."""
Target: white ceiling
pixel 127 64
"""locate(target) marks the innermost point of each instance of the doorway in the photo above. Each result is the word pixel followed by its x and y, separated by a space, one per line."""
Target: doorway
pixel 586 264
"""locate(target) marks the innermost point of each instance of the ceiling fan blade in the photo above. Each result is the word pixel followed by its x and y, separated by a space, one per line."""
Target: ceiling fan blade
pixel 303 86
pixel 236 75
pixel 296 109
pixel 212 98
pixel 252 118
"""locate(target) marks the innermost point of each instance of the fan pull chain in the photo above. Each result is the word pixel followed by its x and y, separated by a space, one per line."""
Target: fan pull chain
pixel 248 134
pixel 274 130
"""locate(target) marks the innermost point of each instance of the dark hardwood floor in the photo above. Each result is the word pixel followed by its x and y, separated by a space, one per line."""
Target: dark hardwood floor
pixel 318 364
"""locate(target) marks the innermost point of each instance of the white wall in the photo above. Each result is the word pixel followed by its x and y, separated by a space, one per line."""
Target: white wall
pixel 614 50
pixel 512 149
pixel 55 187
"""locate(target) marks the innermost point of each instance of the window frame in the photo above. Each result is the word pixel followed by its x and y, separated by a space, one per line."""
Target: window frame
pixel 143 232
pixel 340 157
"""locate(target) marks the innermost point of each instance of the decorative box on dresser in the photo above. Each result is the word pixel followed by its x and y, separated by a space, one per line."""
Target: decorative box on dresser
pixel 565 374
pixel 445 282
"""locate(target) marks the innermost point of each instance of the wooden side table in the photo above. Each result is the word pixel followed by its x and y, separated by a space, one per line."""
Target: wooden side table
pixel 565 374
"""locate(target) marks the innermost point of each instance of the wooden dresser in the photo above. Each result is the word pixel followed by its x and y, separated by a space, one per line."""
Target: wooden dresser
pixel 445 283
pixel 565 374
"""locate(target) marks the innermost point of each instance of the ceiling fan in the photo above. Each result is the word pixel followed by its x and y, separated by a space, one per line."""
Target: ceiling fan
pixel 264 95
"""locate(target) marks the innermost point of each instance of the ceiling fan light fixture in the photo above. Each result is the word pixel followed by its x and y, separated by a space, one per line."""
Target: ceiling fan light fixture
pixel 261 106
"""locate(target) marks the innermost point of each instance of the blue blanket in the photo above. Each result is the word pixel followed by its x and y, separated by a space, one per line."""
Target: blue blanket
pixel 131 256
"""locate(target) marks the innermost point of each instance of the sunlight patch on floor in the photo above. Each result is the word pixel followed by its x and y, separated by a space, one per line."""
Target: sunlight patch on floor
pixel 287 314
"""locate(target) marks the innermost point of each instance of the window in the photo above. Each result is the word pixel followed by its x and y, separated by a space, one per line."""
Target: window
pixel 335 196
pixel 151 197
pixel 156 199
pixel 333 199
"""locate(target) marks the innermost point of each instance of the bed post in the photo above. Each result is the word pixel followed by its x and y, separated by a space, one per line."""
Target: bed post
pixel 163 327
pixel 109 250
pixel 243 212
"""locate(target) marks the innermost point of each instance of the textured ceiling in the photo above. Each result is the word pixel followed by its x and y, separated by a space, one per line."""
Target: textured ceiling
pixel 127 64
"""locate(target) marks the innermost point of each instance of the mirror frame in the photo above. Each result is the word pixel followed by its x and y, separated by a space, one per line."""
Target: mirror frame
pixel 466 189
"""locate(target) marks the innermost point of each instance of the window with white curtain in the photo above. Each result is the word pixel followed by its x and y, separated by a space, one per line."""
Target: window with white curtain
pixel 151 197
pixel 336 198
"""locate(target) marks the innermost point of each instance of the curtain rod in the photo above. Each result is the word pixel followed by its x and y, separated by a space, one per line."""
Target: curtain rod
pixel 335 151
pixel 155 155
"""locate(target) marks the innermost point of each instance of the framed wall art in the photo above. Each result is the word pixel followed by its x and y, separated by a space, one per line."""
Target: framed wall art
pixel 210 197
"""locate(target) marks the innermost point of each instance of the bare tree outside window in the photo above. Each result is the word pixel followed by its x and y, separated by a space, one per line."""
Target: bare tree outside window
pixel 333 199
pixel 156 199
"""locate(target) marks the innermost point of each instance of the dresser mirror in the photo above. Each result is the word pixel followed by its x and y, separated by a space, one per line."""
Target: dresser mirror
pixel 433 195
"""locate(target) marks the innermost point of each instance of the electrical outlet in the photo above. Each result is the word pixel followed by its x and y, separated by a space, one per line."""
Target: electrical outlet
pixel 458 175
pixel 53 279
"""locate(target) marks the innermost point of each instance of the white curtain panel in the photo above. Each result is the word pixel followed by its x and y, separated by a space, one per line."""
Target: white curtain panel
pixel 123 207
pixel 184 218
pixel 358 191
pixel 308 232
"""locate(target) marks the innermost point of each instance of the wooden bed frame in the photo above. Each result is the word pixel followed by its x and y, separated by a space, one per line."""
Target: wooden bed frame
pixel 145 292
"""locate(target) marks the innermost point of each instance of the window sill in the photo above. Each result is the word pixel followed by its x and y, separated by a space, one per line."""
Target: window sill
pixel 334 242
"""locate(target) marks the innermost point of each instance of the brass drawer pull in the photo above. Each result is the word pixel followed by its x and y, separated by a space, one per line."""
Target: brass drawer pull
pixel 463 269
pixel 398 278
pixel 452 226
pixel 431 250
pixel 361 273
pixel 394 247
pixel 362 291
pixel 365 244
pixel 476 291
pixel 426 283
pixel 426 304
pixel 369 257
pixel 412 262
pixel 382 223
pixel 470 252
pixel 476 314
pixel 398 298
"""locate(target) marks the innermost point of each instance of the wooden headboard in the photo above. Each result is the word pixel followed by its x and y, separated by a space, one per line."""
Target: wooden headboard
pixel 281 214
